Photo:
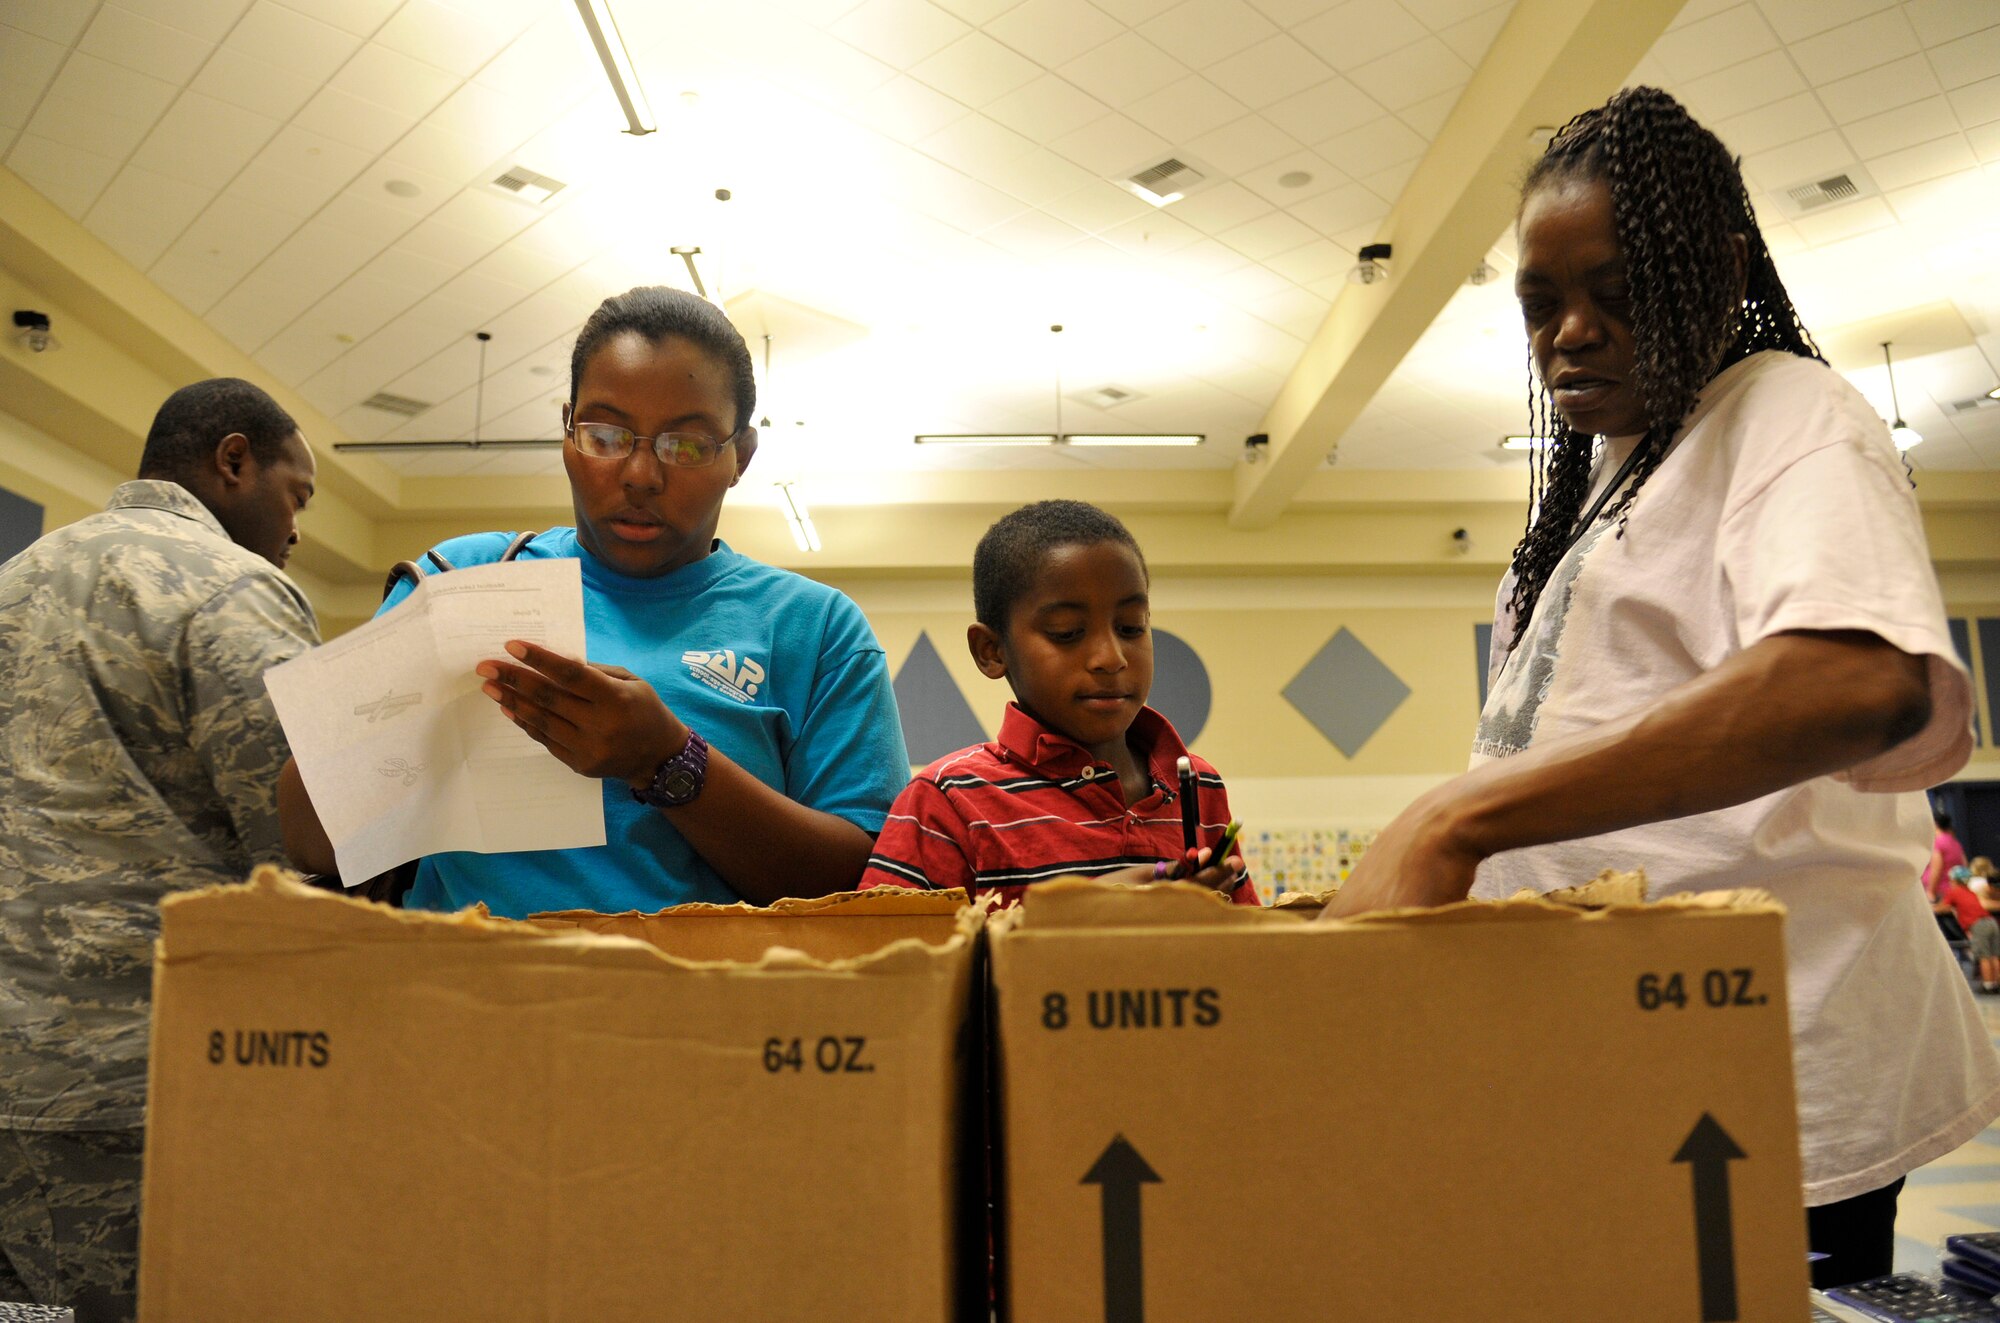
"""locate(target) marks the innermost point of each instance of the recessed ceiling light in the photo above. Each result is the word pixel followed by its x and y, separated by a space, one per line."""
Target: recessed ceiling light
pixel 1295 179
pixel 403 188
pixel 1526 442
pixel 541 370
pixel 343 337
pixel 1993 394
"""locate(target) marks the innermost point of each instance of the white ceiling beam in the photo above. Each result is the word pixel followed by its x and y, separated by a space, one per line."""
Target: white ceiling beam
pixel 1552 59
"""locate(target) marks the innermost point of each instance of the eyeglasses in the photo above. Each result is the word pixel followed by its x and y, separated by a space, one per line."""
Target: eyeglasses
pixel 683 450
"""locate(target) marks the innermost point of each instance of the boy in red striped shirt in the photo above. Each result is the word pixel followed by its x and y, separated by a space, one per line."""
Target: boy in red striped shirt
pixel 1082 776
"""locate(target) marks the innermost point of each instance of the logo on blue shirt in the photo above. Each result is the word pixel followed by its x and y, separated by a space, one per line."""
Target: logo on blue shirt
pixel 723 672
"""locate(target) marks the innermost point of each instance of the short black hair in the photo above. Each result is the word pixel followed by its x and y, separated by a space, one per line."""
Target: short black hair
pixel 658 312
pixel 1942 819
pixel 195 418
pixel 1007 558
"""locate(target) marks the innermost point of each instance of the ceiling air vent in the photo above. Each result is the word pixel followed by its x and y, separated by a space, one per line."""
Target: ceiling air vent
pixel 1164 181
pixel 528 186
pixel 396 404
pixel 1824 192
pixel 1108 397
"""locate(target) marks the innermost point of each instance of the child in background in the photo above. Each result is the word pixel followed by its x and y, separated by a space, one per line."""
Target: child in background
pixel 1082 776
pixel 1958 900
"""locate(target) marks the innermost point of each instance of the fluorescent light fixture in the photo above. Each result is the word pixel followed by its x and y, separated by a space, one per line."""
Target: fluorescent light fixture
pixel 1134 439
pixel 987 438
pixel 603 30
pixel 1904 435
pixel 1993 394
pixel 799 520
pixel 1526 442
pixel 1145 194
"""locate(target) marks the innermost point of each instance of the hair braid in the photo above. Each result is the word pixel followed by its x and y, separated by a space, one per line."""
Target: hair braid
pixel 1677 197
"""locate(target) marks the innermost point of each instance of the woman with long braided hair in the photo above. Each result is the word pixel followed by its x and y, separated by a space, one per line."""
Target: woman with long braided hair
pixel 1720 653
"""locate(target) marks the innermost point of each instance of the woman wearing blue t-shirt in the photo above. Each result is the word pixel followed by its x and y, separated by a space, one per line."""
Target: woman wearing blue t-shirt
pixel 740 716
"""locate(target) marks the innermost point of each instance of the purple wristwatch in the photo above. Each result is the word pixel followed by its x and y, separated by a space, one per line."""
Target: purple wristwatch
pixel 680 778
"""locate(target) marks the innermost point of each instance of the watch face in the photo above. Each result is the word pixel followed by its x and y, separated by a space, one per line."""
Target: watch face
pixel 679 785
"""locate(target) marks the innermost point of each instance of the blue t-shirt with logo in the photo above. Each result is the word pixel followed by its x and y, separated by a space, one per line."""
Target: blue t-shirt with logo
pixel 778 672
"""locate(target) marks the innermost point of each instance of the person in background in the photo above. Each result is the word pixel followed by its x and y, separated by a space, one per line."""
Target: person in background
pixel 740 716
pixel 1946 854
pixel 139 758
pixel 1720 654
pixel 1082 779
pixel 1958 901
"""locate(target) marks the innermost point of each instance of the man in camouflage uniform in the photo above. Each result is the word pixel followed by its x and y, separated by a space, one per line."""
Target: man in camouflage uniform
pixel 139 756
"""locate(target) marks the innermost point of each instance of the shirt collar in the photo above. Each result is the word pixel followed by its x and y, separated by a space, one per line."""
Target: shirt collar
pixel 1058 757
pixel 159 494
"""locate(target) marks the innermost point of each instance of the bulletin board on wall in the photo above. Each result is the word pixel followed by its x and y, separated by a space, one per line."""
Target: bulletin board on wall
pixel 1309 859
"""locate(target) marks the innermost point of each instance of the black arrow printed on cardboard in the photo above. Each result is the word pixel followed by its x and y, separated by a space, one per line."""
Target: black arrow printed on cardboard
pixel 1708 1150
pixel 1120 1171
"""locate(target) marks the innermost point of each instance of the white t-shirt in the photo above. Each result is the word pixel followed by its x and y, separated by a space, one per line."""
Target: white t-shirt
pixel 1782 506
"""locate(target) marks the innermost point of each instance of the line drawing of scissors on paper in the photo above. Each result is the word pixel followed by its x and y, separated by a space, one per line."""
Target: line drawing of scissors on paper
pixel 402 767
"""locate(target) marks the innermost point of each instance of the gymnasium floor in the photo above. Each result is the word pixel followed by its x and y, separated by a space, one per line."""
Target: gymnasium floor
pixel 1958 1193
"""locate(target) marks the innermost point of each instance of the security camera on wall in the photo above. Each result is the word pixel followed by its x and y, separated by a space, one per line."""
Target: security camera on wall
pixel 32 330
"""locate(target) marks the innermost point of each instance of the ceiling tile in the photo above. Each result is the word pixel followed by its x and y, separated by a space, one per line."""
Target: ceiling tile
pixel 1047 108
pixel 207 19
pixel 1426 118
pixel 1774 125
pixel 231 76
pixel 141 214
pixel 28 65
pixel 1318 113
pixel 203 141
pixel 1389 184
pixel 1134 12
pixel 286 39
pixel 1827 227
pixel 976 12
pixel 67 176
pixel 361 17
pixel 1905 126
pixel 1373 147
pixel 196 282
pixel 432 191
pixel 1123 70
pixel 458 41
pixel 976 69
pixel 1741 87
pixel 1727 38
pixel 490 217
pixel 449 156
pixel 1220 207
pixel 1437 15
pixel 1799 162
pixel 1940 21
pixel 59 21
pixel 1112 147
pixel 1239 147
pixel 349 119
pixel 1097 206
pixel 976 145
pixel 1269 234
pixel 136 42
pixel 1795 20
pixel 1033 235
pixel 1186 109
pixel 1247 284
pixel 812 64
pixel 236 233
pixel 1316 260
pixel 1884 87
pixel 1054 32
pixel 1412 74
pixel 100 107
pixel 1334 213
pixel 1985 141
pixel 1200 32
pixel 1914 165
pixel 1977 103
pixel 904 109
pixel 393 79
pixel 1967 60
pixel 1292 179
pixel 1349 35
pixel 1151 236
pixel 1855 46
pixel 1041 176
pixel 1471 39
pixel 1270 71
pixel 899 32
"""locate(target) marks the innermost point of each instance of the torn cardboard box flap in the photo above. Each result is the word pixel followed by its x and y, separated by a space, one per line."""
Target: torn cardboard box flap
pixel 1515 1112
pixel 363 1113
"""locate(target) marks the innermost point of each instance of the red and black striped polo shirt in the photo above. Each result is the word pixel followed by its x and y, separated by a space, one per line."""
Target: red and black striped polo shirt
pixel 1033 805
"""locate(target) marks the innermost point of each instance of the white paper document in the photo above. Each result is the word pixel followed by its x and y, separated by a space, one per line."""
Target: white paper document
pixel 404 756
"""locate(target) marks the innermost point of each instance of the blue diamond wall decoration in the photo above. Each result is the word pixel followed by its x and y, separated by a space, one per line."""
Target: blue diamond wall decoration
pixel 936 718
pixel 1346 692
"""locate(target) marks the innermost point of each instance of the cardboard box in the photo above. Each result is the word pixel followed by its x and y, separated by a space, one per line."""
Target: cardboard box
pixel 1523 1112
pixel 359 1113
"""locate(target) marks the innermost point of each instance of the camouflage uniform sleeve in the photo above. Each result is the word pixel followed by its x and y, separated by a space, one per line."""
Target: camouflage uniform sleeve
pixel 252 625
